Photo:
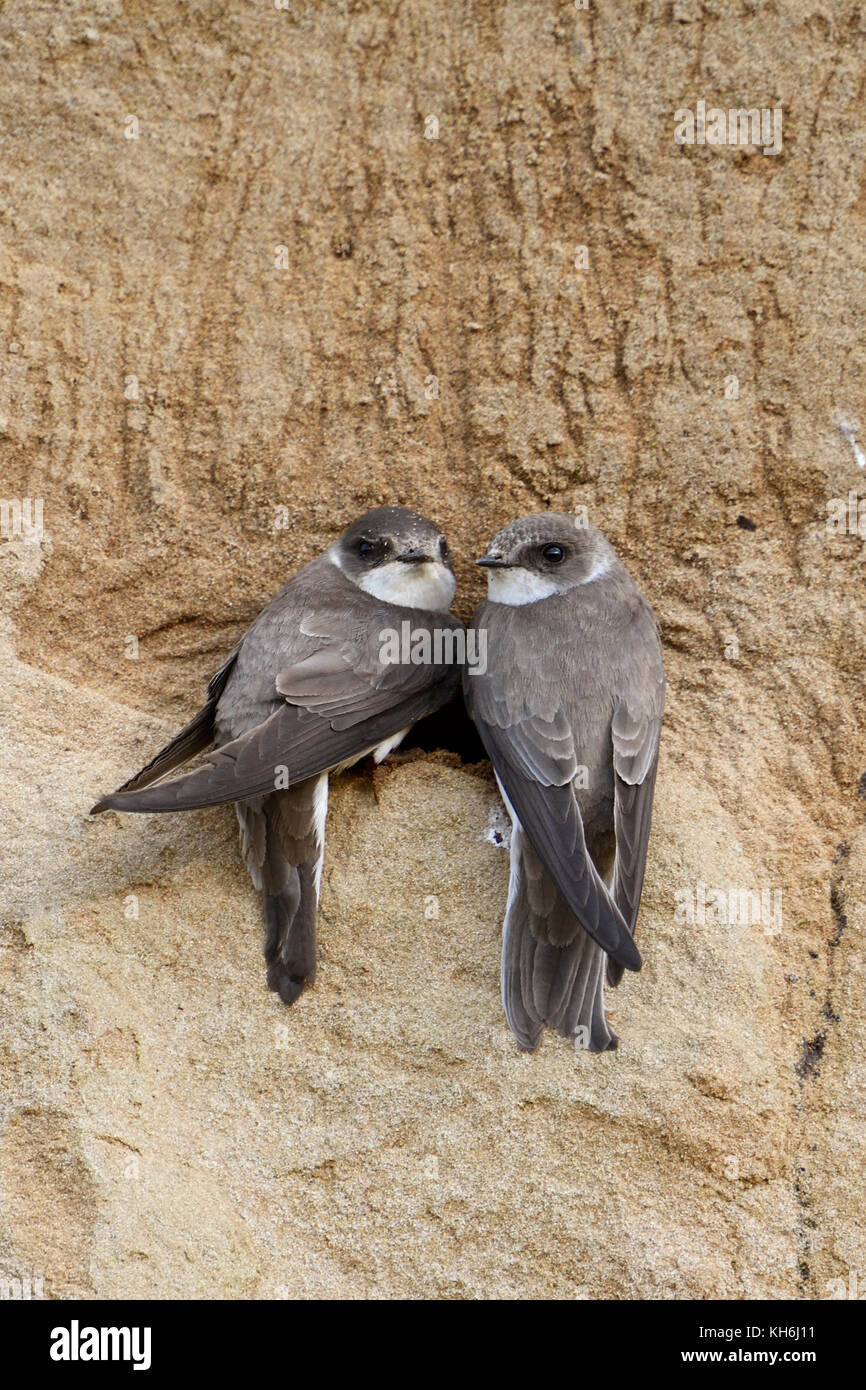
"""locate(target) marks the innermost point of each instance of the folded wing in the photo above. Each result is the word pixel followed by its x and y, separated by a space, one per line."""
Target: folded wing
pixel 635 761
pixel 536 763
pixel 330 706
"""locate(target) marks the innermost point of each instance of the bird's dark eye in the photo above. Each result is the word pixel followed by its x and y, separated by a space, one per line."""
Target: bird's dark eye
pixel 365 548
pixel 553 554
pixel 443 549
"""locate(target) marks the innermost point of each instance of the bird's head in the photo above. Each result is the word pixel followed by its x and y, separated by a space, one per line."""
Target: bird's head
pixel 396 555
pixel 544 555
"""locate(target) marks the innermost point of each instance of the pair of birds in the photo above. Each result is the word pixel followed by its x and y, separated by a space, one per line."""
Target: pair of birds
pixel 569 709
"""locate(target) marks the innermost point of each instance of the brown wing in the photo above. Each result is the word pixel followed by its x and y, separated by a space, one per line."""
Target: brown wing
pixel 327 708
pixel 535 761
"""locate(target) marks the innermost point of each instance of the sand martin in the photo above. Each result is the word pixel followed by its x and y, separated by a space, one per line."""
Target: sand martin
pixel 307 691
pixel 570 712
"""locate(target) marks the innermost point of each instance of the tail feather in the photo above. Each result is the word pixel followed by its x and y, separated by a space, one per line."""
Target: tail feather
pixel 517 955
pixel 282 839
pixel 633 814
pixel 552 970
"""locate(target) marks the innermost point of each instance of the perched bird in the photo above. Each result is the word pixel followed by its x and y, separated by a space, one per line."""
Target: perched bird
pixel 310 689
pixel 570 712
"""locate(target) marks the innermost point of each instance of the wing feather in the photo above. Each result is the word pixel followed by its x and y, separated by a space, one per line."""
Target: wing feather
pixel 553 824
pixel 635 760
pixel 308 689
pixel 288 747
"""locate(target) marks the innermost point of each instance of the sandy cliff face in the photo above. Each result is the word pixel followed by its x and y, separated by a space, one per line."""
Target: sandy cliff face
pixel 260 270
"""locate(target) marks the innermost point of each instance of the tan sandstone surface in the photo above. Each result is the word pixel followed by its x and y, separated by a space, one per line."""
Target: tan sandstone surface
pixel 244 295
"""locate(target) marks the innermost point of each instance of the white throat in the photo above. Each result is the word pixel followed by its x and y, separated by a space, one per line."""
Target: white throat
pixel 517 586
pixel 428 584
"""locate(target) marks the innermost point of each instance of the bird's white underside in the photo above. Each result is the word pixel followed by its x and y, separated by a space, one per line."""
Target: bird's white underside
pixel 514 853
pixel 320 797
pixel 515 865
pixel 320 815
pixel 379 751
pixel 389 744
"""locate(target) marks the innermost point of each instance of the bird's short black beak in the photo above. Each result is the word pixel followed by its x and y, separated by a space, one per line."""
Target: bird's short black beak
pixel 493 562
pixel 413 557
